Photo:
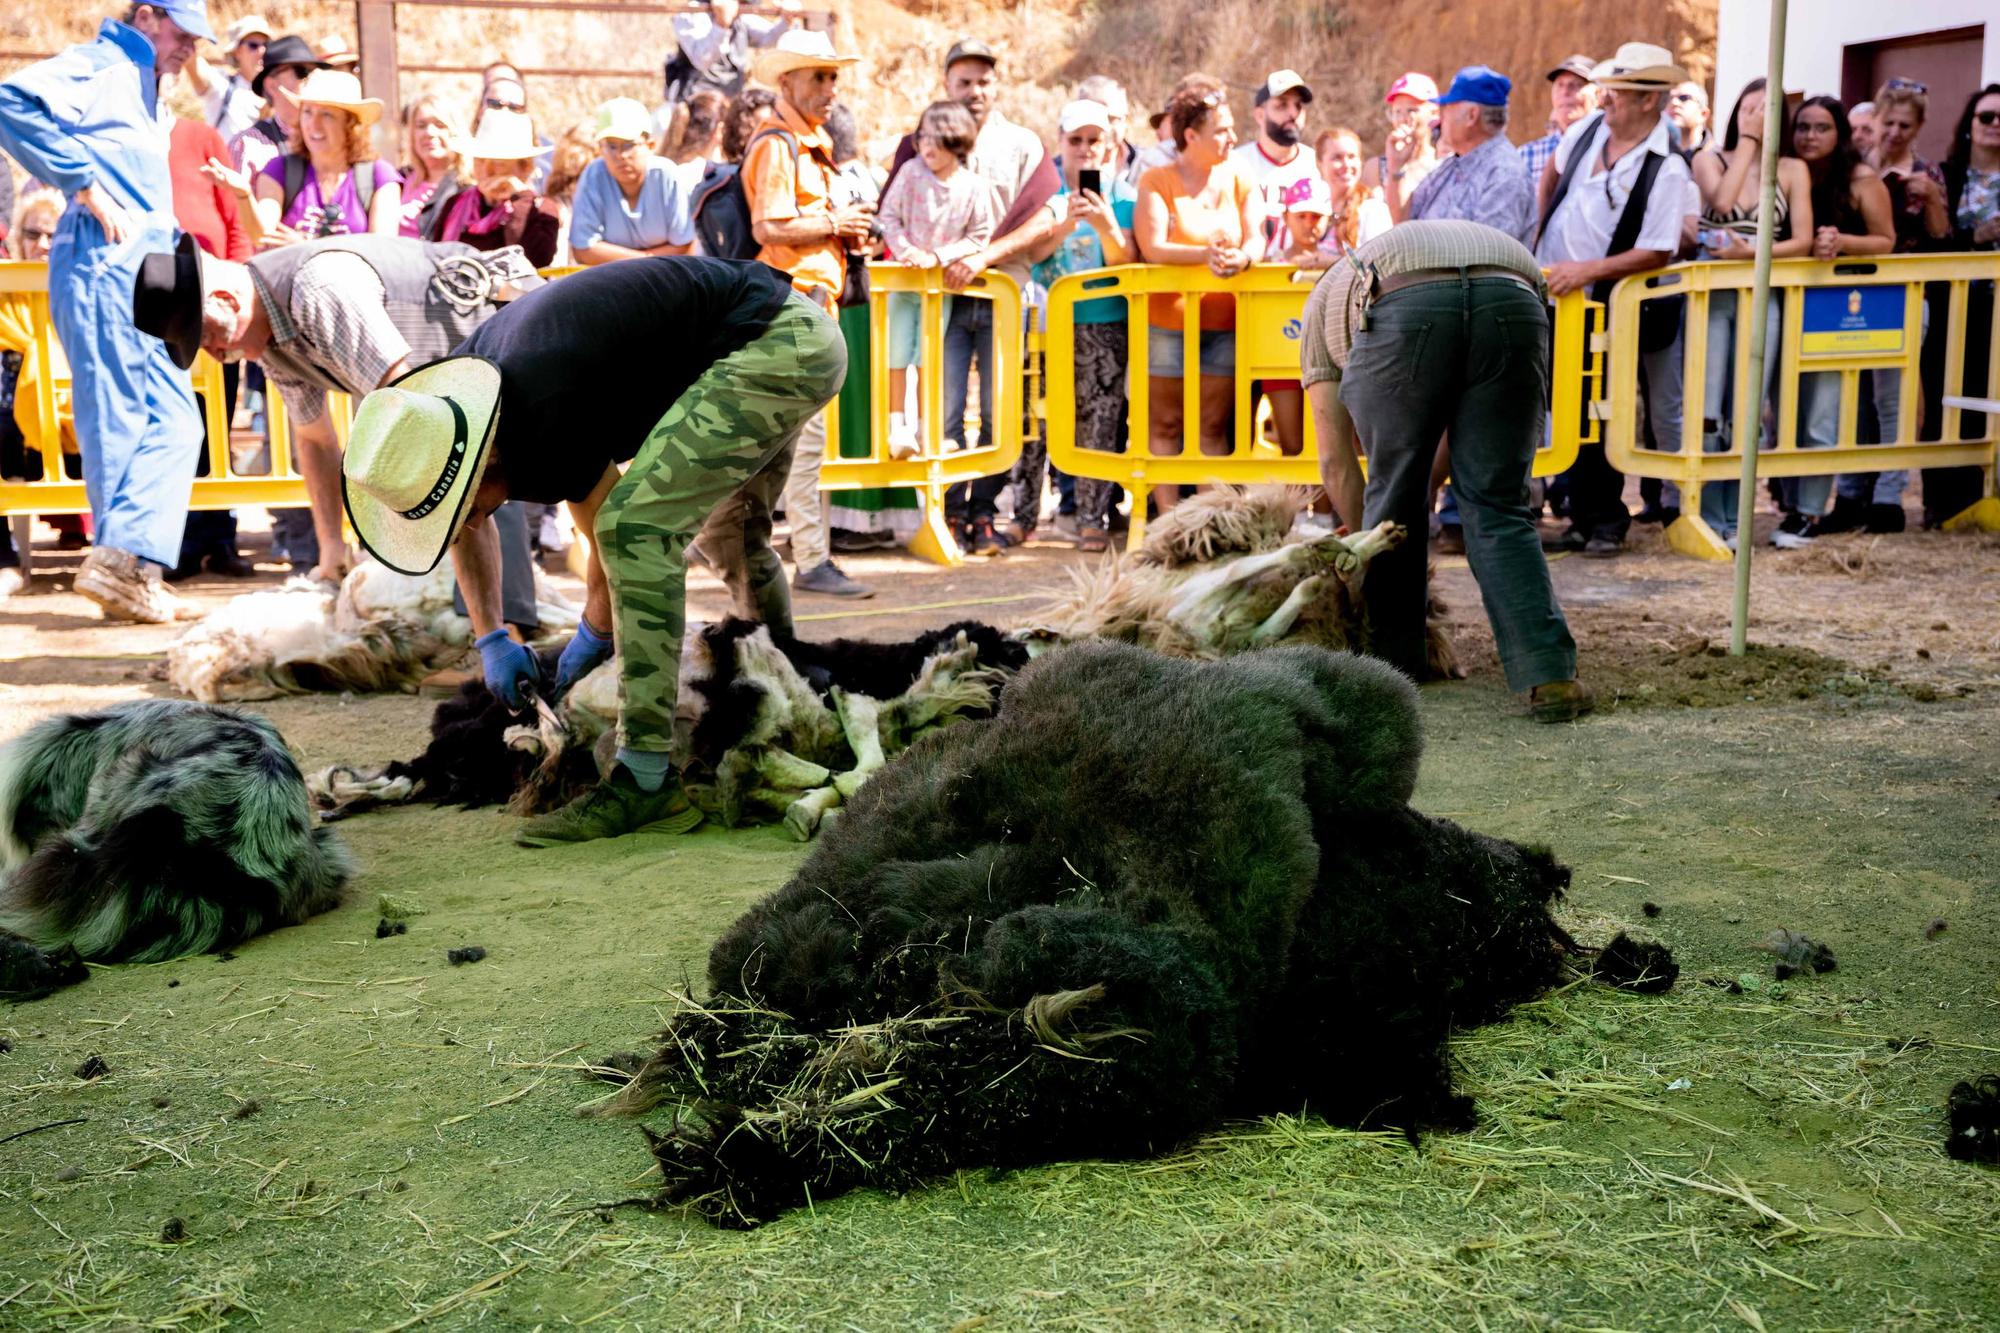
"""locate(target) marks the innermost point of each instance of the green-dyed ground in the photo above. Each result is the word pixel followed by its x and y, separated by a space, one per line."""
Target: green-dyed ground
pixel 414 1156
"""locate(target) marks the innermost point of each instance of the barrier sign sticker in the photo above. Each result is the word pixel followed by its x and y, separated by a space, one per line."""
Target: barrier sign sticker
pixel 1852 321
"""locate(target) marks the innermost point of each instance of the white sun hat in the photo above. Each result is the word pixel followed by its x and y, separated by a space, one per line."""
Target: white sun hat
pixel 414 456
pixel 1641 66
pixel 505 136
pixel 796 49
pixel 335 88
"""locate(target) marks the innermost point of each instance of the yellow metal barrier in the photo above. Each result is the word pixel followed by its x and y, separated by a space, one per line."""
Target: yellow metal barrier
pixel 1270 309
pixel 936 467
pixel 1848 335
pixel 24 292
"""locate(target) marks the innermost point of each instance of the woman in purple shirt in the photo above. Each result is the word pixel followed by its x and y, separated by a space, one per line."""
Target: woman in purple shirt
pixel 328 181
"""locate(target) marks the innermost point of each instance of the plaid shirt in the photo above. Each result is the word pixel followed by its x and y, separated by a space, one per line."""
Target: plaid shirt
pixel 337 328
pixel 1536 154
pixel 1340 299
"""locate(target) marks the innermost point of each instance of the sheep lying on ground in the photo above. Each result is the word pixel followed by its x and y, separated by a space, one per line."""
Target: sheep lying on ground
pixel 767 728
pixel 382 631
pixel 155 829
pixel 1224 572
pixel 1151 893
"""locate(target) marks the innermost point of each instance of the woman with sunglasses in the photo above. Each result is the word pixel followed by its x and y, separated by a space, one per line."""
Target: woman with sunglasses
pixel 1972 185
pixel 1851 216
pixel 1729 179
pixel 1916 186
pixel 629 202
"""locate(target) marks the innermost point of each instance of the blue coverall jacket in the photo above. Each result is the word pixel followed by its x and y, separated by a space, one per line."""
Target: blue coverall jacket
pixel 91 116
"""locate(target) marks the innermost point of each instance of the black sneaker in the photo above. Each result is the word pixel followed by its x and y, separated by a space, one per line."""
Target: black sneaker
pixel 1846 515
pixel 1794 533
pixel 1886 518
pixel 1568 540
pixel 1603 548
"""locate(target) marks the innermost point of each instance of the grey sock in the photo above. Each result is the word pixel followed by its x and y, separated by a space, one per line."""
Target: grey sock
pixel 648 768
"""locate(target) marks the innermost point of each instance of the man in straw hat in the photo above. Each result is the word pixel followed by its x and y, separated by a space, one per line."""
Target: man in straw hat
pixel 718 367
pixel 346 314
pixel 1613 199
pixel 788 181
pixel 91 122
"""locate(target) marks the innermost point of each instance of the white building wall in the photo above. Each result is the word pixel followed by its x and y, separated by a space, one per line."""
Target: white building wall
pixel 1817 31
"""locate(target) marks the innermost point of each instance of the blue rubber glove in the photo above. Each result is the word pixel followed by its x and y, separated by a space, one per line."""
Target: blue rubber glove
pixel 509 666
pixel 585 652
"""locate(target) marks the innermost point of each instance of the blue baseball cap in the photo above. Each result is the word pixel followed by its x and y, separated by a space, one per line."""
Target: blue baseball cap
pixel 1480 85
pixel 190 16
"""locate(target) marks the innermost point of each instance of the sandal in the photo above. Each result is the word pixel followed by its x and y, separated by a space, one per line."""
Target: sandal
pixel 1093 541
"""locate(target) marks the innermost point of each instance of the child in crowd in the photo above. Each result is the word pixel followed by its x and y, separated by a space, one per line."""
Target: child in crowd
pixel 935 212
pixel 1308 207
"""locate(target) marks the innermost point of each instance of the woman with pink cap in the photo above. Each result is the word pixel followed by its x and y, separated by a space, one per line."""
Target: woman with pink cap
pixel 1410 152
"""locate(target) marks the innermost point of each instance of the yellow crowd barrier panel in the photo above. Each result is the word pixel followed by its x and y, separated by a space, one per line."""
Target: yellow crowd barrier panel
pixel 936 466
pixel 43 388
pixel 1836 318
pixel 1270 309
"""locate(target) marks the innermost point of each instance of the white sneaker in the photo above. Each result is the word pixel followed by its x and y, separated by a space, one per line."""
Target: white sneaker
pixel 902 438
pixel 11 581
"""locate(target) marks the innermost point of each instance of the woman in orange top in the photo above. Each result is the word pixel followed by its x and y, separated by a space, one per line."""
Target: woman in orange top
pixel 1196 210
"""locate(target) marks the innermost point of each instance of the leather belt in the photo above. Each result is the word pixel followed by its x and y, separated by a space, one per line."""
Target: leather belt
pixel 1385 285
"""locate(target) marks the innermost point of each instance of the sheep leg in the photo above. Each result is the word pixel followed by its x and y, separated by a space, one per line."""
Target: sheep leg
pixel 1279 623
pixel 861 721
pixel 783 769
pixel 803 816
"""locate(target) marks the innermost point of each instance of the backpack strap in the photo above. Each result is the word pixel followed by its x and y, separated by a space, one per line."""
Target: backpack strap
pixel 1569 173
pixel 295 179
pixel 364 183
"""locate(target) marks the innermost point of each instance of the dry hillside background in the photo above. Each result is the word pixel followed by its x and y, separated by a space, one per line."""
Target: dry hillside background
pixel 1348 49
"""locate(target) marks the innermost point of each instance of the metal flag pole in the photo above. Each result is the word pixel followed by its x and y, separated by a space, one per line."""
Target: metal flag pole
pixel 1760 301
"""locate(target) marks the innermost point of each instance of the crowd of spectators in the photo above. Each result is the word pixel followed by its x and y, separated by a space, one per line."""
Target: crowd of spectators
pixel 751 154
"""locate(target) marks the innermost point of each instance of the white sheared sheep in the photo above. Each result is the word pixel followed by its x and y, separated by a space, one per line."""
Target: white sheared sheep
pixel 383 631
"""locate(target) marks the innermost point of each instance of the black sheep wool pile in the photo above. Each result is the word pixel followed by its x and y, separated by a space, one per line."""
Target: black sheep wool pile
pixel 1151 893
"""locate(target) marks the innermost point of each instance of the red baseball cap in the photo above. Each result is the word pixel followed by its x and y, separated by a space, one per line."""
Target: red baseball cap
pixel 1413 84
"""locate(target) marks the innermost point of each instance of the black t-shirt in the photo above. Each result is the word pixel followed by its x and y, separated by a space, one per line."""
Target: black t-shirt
pixel 591 362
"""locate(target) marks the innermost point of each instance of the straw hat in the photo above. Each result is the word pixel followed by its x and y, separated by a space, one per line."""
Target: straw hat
pixel 506 136
pixel 336 88
pixel 414 456
pixel 335 51
pixel 1639 65
pixel 797 49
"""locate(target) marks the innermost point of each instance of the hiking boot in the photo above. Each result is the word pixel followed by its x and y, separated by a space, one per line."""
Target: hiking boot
pixel 128 588
pixel 1794 533
pixel 827 579
pixel 1559 701
pixel 1884 518
pixel 614 807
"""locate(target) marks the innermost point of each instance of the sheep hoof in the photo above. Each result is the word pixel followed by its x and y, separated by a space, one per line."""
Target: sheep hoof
pixel 850 782
pixel 802 817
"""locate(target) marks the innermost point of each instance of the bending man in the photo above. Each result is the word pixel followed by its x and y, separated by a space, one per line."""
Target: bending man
pixel 347 315
pixel 1436 327
pixel 699 374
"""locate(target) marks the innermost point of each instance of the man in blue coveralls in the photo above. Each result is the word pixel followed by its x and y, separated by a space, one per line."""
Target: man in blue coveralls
pixel 90 122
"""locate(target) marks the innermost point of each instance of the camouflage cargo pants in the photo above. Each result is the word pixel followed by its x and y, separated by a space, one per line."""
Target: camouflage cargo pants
pixel 721 452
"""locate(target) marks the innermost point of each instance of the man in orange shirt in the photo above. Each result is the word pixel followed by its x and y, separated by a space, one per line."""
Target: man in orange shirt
pixel 788 180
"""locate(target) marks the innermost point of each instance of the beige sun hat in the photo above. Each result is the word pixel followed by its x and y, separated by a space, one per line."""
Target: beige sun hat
pixel 336 88
pixel 796 49
pixel 1639 65
pixel 414 456
pixel 506 136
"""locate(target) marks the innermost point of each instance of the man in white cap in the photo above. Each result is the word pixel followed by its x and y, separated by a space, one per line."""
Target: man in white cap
pixel 788 181
pixel 719 366
pixel 1613 201
pixel 92 123
pixel 227 99
pixel 1277 157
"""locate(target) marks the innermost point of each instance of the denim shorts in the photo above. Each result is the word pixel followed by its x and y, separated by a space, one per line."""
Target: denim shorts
pixel 906 318
pixel 1163 352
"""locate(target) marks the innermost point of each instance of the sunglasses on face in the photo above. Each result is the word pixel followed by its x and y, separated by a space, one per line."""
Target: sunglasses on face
pixel 1908 86
pixel 254 43
pixel 502 104
pixel 1987 117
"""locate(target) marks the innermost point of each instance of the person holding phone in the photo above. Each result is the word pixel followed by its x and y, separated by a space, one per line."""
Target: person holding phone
pixel 1094 231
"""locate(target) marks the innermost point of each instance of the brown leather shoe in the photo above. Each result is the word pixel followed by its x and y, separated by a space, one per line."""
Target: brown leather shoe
pixel 128 588
pixel 1560 701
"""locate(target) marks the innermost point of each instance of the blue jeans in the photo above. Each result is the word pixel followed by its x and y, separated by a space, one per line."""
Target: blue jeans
pixel 1719 499
pixel 1882 488
pixel 968 336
